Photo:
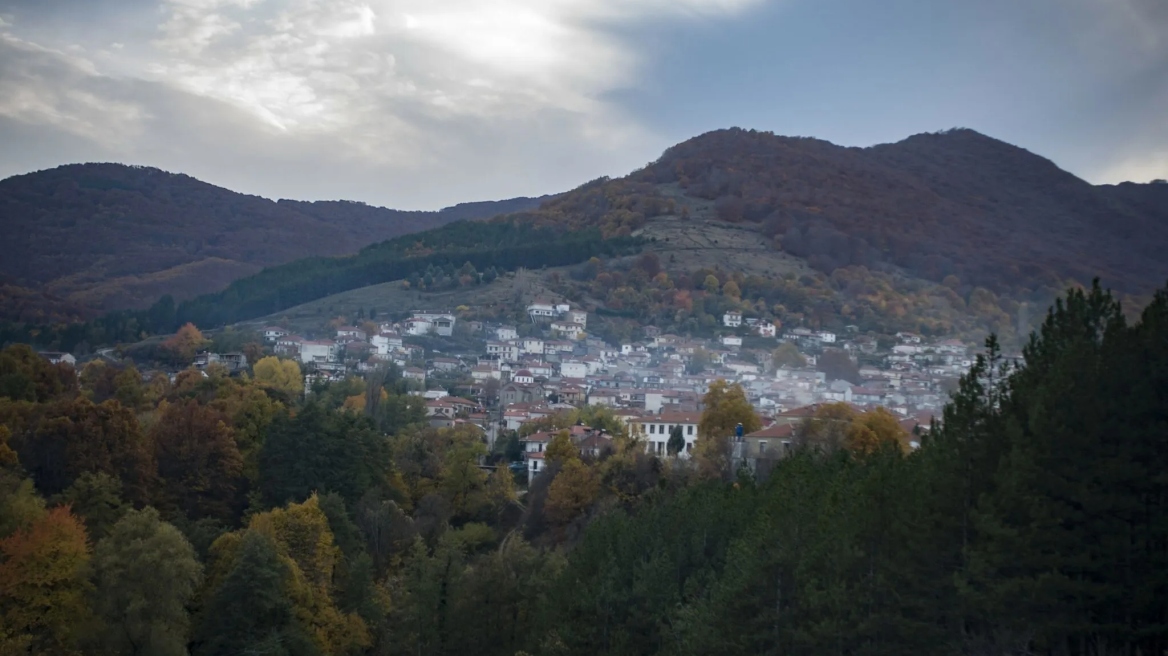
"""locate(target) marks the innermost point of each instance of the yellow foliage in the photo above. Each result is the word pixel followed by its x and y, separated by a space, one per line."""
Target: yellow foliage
pixel 283 375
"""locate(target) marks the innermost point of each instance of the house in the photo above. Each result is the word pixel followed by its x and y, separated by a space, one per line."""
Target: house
pixel 445 364
pixel 573 369
pixel 758 451
pixel 531 345
pixel 732 319
pixel 272 333
pixel 765 329
pixel 825 337
pixel 423 323
pixel 567 329
pixel 344 334
pixel 505 351
pixel 505 333
pixel 482 372
pixel 414 373
pixel 316 351
pixel 521 393
pixel 655 429
pixel 57 357
pixel 541 311
pixel 732 341
pixel 603 397
pixel 232 361
pixel 288 345
pixel 573 394
pixel 523 376
pixel 578 316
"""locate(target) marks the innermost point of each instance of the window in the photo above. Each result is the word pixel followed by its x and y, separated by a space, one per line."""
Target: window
pixel 660 448
pixel 653 429
pixel 761 447
pixel 661 429
pixel 534 465
pixel 689 430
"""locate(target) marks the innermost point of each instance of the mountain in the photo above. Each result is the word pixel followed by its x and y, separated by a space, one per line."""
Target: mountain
pixel 88 237
pixel 953 203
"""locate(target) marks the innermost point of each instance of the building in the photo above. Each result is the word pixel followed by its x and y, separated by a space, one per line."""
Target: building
pixel 573 369
pixel 732 319
pixel 541 311
pixel 57 357
pixel 568 329
pixel 766 329
pixel 424 323
pixel 315 351
pixel 414 373
pixel 531 345
pixel 521 393
pixel 272 333
pixel 505 333
pixel 655 430
pixel 350 333
pixel 732 341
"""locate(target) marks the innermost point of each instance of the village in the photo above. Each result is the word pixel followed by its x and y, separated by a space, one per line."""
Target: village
pixel 521 374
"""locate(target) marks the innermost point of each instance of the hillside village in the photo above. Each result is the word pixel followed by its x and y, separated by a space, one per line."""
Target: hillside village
pixel 518 375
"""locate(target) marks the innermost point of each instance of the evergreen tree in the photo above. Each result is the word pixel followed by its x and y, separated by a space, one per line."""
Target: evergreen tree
pixel 250 612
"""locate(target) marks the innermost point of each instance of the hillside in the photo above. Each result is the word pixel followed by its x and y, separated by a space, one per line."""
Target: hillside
pixel 956 203
pixel 89 237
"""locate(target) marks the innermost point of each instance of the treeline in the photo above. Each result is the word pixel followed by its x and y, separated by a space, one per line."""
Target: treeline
pixel 490 247
pixel 1033 519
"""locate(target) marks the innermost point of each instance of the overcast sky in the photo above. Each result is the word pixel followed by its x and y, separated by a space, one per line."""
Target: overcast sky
pixel 426 103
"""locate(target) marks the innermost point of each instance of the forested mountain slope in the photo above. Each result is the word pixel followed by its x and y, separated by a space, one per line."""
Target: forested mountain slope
pixel 956 203
pixel 109 236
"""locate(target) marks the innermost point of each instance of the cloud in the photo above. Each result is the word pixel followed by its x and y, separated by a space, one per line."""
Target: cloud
pixel 466 91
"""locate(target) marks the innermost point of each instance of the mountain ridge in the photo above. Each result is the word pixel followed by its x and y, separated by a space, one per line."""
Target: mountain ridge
pixel 104 236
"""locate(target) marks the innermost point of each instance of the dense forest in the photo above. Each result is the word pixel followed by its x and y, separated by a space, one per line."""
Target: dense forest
pixel 227 515
pixel 483 249
pixel 108 236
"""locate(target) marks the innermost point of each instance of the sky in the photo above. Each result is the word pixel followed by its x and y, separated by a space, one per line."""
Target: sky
pixel 420 104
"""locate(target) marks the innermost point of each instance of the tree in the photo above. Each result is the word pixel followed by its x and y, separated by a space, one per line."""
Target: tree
pixel 501 484
pixel 43 586
pixel 184 344
pixel 249 612
pixel 837 365
pixel 676 443
pixel 731 290
pixel 277 374
pixel 198 461
pixel 69 438
pixel 97 499
pixel 26 376
pixel 788 355
pixel 145 574
pixel 321 450
pixel 726 406
pixel 573 491
pixel 561 449
pixel 20 505
pixel 871 430
pixel 711 284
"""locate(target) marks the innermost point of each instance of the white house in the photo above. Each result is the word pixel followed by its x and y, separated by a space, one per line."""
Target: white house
pixel 350 333
pixel 655 430
pixel 506 332
pixel 826 337
pixel 733 319
pixel 765 329
pixel 56 357
pixel 573 369
pixel 568 329
pixel 508 351
pixel 317 351
pixel 541 310
pixel 272 333
pixel 578 316
pixel 533 345
pixel 731 340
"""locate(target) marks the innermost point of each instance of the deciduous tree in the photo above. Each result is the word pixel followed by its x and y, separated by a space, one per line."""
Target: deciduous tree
pixel 145 574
